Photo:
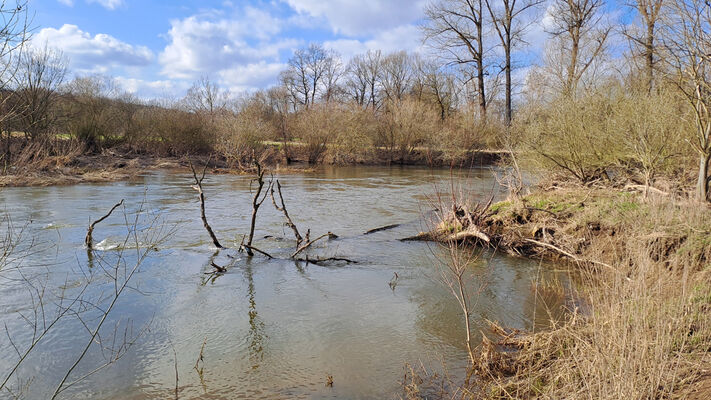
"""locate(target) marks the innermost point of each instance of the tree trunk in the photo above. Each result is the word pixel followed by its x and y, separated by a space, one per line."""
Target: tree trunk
pixel 480 73
pixel 702 184
pixel 649 56
pixel 508 81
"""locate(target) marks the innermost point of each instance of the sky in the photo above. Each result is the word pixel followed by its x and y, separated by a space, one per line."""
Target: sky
pixel 157 48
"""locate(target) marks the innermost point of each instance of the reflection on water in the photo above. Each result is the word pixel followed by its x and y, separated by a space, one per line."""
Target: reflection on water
pixel 271 328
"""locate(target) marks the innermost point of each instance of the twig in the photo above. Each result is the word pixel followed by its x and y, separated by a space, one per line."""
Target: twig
pixel 289 222
pixel 198 187
pixel 89 240
pixel 249 248
pixel 309 243
pixel 572 256
pixel 218 268
pixel 175 355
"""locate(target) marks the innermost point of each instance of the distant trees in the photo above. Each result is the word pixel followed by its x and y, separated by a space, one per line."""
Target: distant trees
pixel 39 77
pixel 313 71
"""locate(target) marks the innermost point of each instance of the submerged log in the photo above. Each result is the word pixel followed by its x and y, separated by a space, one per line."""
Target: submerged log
pixel 382 228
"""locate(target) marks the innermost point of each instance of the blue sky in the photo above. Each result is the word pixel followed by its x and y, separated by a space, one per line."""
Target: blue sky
pixel 157 48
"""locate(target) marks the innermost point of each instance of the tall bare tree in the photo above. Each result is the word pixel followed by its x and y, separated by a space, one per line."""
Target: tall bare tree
pixel 506 17
pixel 357 80
pixel 456 28
pixel 396 75
pixel 645 38
pixel 579 27
pixel 687 43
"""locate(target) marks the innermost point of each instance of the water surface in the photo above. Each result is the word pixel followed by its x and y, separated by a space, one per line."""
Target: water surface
pixel 272 328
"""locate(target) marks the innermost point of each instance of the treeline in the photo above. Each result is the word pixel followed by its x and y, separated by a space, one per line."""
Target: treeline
pixel 620 103
pixel 385 108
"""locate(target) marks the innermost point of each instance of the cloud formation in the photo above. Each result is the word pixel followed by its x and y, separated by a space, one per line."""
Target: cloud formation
pixel 243 50
pixel 108 4
pixel 363 17
pixel 89 54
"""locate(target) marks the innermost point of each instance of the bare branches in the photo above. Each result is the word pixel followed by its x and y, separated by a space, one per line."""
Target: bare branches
pixel 88 240
pixel 198 188
pixel 256 203
pixel 289 222
pixel 310 242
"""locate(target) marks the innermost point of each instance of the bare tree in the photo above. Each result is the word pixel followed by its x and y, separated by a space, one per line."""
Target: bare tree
pixel 578 25
pixel 205 97
pixel 40 74
pixel 396 75
pixel 357 80
pixel 456 28
pixel 333 71
pixel 505 16
pixel 373 74
pixel 307 69
pixel 687 42
pixel 278 98
pixel 650 14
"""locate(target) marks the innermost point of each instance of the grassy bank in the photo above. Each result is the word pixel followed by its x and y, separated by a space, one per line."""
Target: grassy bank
pixel 641 329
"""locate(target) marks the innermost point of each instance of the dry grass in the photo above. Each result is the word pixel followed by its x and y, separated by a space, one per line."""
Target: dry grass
pixel 642 330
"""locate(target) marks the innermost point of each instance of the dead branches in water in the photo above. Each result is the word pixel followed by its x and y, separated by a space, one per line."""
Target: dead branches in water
pixel 198 188
pixel 310 242
pixel 289 222
pixel 256 203
pixel 382 228
pixel 322 261
pixel 89 240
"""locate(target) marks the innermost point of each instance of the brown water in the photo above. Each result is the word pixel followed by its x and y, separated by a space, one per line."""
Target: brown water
pixel 273 328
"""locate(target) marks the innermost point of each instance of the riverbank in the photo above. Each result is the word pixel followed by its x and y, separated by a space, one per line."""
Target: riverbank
pixel 117 165
pixel 641 329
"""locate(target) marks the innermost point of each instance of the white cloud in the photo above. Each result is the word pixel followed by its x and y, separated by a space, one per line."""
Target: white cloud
pixel 68 3
pixel 88 53
pixel 405 37
pixel 151 89
pixel 250 77
pixel 211 44
pixel 361 17
pixel 108 4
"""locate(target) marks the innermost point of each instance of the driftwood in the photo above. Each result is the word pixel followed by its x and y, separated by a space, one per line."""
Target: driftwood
pixel 89 240
pixel 570 255
pixel 252 248
pixel 472 232
pixel 320 261
pixel 310 242
pixel 217 267
pixel 198 188
pixel 382 228
pixel 289 222
pixel 256 203
pixel 422 237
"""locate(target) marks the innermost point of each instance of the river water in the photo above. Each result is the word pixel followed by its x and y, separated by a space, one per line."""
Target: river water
pixel 271 328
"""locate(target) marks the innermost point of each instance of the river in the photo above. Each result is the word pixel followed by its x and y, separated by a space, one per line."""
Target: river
pixel 271 328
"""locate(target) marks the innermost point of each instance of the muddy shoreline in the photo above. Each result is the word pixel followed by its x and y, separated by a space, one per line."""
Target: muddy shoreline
pixel 113 166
